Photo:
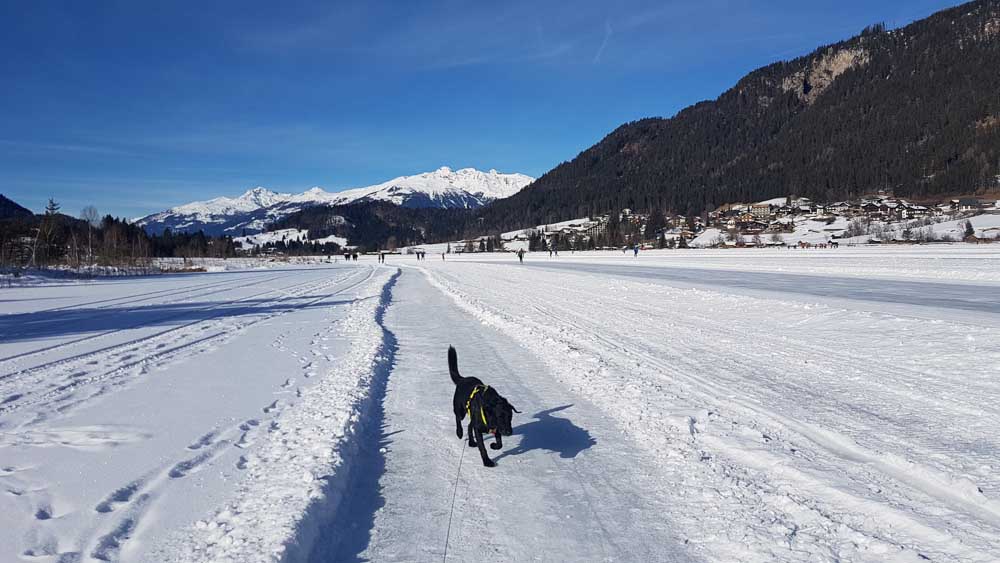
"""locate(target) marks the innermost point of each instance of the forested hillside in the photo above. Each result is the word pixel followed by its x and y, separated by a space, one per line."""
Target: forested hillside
pixel 914 110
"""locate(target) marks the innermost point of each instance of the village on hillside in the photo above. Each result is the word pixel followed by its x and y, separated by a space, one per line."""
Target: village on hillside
pixel 792 222
pixel 779 222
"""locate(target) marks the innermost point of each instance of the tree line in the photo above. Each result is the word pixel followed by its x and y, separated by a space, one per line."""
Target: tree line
pixel 90 240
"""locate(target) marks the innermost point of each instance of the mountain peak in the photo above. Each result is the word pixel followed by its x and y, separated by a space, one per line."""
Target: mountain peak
pixel 261 196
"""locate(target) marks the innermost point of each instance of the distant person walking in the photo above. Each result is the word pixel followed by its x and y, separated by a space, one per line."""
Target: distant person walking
pixel 442 256
pixel 520 255
pixel 635 249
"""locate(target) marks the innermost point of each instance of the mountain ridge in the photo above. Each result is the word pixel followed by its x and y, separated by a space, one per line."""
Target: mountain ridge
pixel 252 211
pixel 10 209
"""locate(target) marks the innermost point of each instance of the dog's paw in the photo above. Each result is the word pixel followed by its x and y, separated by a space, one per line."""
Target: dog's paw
pixel 495 446
pixel 489 463
pixel 472 444
pixel 459 434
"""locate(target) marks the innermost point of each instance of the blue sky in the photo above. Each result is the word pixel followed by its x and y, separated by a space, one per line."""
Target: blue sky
pixel 136 106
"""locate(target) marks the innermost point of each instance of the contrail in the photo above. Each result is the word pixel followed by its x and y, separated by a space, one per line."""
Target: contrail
pixel 607 36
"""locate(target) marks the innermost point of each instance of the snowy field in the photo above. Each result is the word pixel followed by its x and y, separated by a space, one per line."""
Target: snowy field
pixel 704 405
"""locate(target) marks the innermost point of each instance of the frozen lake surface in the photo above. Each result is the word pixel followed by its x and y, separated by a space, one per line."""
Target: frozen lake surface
pixel 750 405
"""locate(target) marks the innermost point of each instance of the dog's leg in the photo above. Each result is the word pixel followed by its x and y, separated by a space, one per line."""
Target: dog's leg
pixel 482 450
pixel 458 425
pixel 498 443
pixel 472 436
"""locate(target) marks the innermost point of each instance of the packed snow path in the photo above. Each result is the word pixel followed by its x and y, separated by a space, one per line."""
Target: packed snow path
pixel 568 485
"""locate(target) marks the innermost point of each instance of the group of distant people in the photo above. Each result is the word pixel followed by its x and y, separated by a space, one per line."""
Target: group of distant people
pixel 422 255
pixel 635 250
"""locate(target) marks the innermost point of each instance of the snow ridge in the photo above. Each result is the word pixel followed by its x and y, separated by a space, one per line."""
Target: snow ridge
pixel 295 481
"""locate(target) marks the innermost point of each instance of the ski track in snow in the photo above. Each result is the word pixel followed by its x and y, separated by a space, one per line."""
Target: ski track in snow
pixel 258 416
pixel 77 384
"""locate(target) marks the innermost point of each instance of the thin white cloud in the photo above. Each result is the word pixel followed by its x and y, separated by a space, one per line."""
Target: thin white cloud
pixel 29 146
pixel 608 32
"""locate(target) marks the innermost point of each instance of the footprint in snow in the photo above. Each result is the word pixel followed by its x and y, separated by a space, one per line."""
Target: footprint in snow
pixel 182 468
pixel 205 440
pixel 40 543
pixel 253 422
pixel 119 496
pixel 43 512
pixel 273 406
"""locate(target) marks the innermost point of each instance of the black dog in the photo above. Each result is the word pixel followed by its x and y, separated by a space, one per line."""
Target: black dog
pixel 488 411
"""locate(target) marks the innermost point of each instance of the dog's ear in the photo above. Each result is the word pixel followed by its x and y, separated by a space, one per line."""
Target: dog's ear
pixel 513 409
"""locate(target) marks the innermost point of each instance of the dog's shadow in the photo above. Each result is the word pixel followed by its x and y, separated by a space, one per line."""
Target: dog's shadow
pixel 551 433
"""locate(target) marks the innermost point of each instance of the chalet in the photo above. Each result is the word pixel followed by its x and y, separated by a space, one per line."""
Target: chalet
pixel 871 209
pixel 781 226
pixel 966 205
pixel 889 210
pixel 838 208
pixel 753 227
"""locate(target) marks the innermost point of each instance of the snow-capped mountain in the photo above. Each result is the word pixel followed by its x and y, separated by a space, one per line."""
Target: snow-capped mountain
pixel 465 188
pixel 444 188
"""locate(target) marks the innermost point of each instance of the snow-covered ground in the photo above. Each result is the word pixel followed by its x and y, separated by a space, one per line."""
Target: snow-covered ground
pixel 713 405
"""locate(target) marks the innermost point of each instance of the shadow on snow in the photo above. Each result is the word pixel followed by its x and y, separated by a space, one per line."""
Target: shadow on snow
pixel 552 434
pixel 51 324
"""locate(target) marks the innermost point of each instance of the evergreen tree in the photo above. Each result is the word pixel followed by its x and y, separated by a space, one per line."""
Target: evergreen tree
pixel 656 222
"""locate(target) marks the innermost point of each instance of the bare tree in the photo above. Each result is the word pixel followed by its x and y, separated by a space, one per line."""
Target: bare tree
pixel 93 219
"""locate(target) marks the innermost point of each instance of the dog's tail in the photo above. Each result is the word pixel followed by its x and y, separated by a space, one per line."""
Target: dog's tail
pixel 453 365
